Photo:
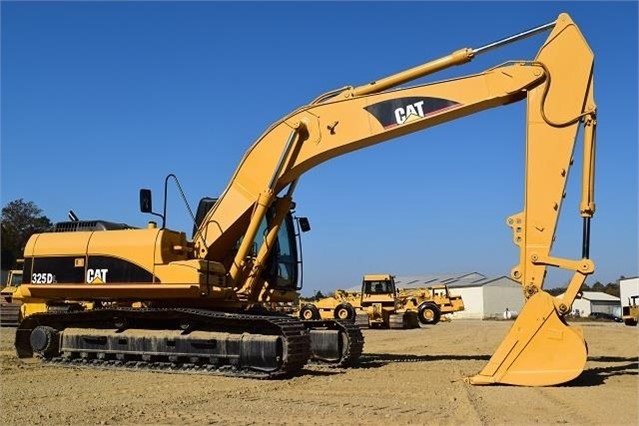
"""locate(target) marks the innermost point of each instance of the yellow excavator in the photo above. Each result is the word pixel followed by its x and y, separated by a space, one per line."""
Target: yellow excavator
pixel 162 300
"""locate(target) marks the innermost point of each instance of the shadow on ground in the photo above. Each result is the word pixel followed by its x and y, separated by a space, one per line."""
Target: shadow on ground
pixel 378 360
pixel 590 377
pixel 598 375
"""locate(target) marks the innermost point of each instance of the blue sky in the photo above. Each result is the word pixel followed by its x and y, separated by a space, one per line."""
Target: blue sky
pixel 100 99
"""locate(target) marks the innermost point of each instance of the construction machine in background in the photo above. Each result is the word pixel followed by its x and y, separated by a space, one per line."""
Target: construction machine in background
pixel 10 309
pixel 630 313
pixel 430 303
pixel 341 304
pixel 376 305
pixel 154 298
pixel 381 304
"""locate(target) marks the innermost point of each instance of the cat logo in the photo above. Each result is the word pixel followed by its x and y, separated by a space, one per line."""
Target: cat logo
pixel 97 276
pixel 410 112
pixel 399 111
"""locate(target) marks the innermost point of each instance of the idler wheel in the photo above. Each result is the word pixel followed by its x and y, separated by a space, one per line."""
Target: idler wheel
pixel 44 340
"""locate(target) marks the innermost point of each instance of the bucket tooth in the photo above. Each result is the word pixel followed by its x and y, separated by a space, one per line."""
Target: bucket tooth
pixel 539 350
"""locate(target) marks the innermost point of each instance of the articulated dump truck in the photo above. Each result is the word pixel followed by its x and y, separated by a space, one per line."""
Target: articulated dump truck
pixel 431 302
pixel 381 304
pixel 102 293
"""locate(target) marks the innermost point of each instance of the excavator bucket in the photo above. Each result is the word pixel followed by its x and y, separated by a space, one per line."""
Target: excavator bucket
pixel 539 350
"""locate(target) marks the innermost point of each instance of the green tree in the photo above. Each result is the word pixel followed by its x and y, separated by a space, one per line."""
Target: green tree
pixel 584 287
pixel 597 286
pixel 20 220
pixel 314 298
pixel 556 291
pixel 612 289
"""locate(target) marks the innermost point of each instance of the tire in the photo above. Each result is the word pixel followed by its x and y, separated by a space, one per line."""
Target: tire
pixel 344 312
pixel 631 322
pixel 361 320
pixel 429 313
pixel 396 322
pixel 410 320
pixel 309 312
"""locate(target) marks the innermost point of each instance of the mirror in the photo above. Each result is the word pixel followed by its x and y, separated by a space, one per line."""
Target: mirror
pixel 305 225
pixel 146 204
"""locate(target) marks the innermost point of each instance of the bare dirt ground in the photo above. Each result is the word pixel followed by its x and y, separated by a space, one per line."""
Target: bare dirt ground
pixel 405 377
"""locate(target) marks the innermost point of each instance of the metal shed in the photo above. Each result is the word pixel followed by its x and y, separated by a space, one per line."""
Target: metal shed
pixel 595 301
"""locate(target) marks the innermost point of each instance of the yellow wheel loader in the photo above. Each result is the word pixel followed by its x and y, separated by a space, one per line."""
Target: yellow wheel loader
pixel 153 297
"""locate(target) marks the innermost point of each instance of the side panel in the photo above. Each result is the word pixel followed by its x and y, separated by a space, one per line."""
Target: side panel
pixel 473 302
pixel 99 256
pixel 501 295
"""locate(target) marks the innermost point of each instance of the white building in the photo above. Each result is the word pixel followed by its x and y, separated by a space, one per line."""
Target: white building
pixel 628 287
pixel 483 297
pixel 595 301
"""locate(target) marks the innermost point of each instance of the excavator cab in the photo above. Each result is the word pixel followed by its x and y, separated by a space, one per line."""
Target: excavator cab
pixel 283 263
pixel 376 288
pixel 378 298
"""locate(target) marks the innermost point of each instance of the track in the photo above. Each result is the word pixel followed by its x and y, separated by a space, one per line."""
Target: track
pixel 335 343
pixel 185 340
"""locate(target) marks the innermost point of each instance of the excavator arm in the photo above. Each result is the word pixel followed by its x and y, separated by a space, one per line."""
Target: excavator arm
pixel 558 87
pixel 540 348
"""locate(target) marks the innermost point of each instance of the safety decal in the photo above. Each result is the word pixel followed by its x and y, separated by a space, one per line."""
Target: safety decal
pixel 395 112
pixel 98 270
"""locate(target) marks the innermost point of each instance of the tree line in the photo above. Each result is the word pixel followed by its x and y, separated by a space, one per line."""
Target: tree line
pixel 611 288
pixel 20 220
